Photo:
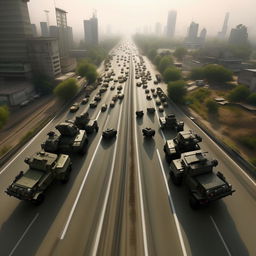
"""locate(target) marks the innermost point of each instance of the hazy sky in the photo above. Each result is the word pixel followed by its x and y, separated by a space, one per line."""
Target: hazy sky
pixel 127 15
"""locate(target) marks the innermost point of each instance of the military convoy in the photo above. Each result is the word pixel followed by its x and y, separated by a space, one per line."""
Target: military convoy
pixel 83 122
pixel 185 141
pixel 205 185
pixel 70 140
pixel 170 121
pixel 44 168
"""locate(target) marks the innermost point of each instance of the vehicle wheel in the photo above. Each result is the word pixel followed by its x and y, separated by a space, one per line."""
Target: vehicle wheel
pixel 39 199
pixel 176 181
pixel 193 203
pixel 66 177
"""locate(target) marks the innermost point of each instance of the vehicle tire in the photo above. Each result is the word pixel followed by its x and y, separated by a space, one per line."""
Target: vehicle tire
pixel 176 181
pixel 96 128
pixel 66 177
pixel 193 203
pixel 39 199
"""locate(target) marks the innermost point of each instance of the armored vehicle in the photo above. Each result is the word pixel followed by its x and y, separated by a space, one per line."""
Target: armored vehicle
pixel 83 122
pixel 44 168
pixel 139 113
pixel 204 184
pixel 184 142
pixel 170 121
pixel 148 132
pixel 74 107
pixel 104 107
pixel 70 140
pixel 151 110
pixel 109 133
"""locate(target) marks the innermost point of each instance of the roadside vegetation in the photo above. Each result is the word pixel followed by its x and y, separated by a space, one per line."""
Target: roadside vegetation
pixel 4 115
pixel 66 89
pixel 177 91
pixel 87 70
pixel 43 84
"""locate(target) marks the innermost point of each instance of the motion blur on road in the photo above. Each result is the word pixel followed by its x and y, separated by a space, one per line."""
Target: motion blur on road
pixel 120 199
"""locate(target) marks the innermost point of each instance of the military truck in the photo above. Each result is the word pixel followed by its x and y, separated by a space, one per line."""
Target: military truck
pixel 83 122
pixel 196 171
pixel 44 168
pixel 184 142
pixel 70 140
pixel 170 121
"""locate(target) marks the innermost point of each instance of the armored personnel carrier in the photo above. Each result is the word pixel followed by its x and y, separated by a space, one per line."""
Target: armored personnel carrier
pixel 170 121
pixel 204 184
pixel 83 122
pixel 44 168
pixel 70 140
pixel 184 142
pixel 148 132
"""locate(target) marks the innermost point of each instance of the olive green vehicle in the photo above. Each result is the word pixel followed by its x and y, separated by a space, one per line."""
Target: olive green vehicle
pixel 205 185
pixel 44 168
pixel 84 122
pixel 185 141
pixel 71 140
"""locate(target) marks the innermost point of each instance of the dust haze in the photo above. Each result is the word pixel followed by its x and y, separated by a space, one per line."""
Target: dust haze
pixel 129 16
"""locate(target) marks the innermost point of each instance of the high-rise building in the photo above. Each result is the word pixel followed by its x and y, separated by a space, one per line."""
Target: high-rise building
pixel 239 35
pixel 15 29
pixel 202 36
pixel 65 37
pixel 44 29
pixel 158 29
pixel 34 30
pixel 193 31
pixel 91 31
pixel 223 32
pixel 171 23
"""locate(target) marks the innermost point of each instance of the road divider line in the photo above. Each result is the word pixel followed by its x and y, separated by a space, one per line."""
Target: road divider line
pixel 145 242
pixel 103 212
pixel 221 237
pixel 23 235
pixel 172 206
pixel 96 118
pixel 79 193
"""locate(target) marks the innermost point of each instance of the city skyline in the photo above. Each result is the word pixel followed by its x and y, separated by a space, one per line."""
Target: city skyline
pixel 148 14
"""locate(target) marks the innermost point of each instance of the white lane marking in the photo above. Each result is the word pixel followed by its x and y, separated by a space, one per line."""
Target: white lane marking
pixel 172 206
pixel 246 175
pixel 141 196
pixel 96 118
pixel 103 212
pixel 221 237
pixel 79 192
pixel 23 235
pixel 26 146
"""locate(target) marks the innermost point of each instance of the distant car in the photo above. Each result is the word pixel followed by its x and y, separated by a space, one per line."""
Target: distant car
pixel 161 109
pixel 104 107
pixel 112 88
pixel 145 86
pixel 93 104
pixel 165 104
pixel 155 82
pixel 119 87
pixel 74 107
pixel 109 133
pixel 152 90
pixel 139 113
pixel 151 110
pixel 114 98
pixel 158 102
pixel 120 96
pixel 147 91
pixel 85 101
pixel 138 84
pixel 97 98
pixel 154 95
pixel 148 132
pixel 149 97
pixel 112 104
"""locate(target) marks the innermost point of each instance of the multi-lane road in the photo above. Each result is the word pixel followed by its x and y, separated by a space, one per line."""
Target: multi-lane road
pixel 119 200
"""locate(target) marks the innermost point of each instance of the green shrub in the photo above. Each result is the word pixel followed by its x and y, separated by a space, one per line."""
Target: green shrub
pixel 197 74
pixel 252 99
pixel 239 93
pixel 4 115
pixel 66 89
pixel 217 74
pixel 212 107
pixel 248 141
pixel 172 74
pixel 164 63
pixel 177 91
pixel 201 94
pixel 180 53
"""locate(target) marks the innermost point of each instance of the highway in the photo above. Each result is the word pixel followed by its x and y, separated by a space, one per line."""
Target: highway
pixel 120 200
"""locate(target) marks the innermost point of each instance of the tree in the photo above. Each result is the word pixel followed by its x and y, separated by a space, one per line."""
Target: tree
pixel 157 60
pixel 83 67
pixel 4 115
pixel 180 53
pixel 172 74
pixel 239 93
pixel 91 76
pixel 217 74
pixel 66 89
pixel 152 54
pixel 212 107
pixel 43 84
pixel 252 99
pixel 197 74
pixel 177 91
pixel 164 63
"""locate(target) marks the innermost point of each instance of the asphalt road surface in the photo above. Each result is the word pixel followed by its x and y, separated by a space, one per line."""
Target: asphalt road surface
pixel 119 200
